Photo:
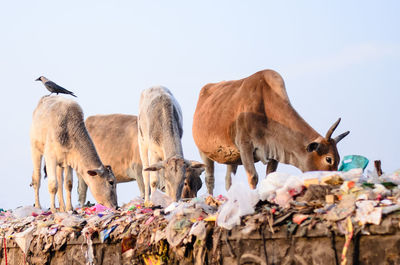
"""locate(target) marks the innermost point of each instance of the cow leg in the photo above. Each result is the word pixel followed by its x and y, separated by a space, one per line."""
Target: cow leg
pixel 68 186
pixel 82 190
pixel 228 177
pixel 37 163
pixel 51 167
pixel 161 180
pixel 272 166
pixel 209 179
pixel 154 175
pixel 60 194
pixel 146 174
pixel 139 179
pixel 246 155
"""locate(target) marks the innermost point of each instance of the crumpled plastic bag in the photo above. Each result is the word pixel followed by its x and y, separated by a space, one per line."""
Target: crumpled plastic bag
pixel 241 201
pixel 24 239
pixel 160 198
pixel 177 230
pixel 69 220
pixel 98 208
pixel 345 208
pixel 280 188
pixel 89 254
pixel 25 211
pixel 367 212
pixel 199 230
pixel 269 185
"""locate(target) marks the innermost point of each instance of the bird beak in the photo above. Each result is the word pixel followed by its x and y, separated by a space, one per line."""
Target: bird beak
pixel 38 79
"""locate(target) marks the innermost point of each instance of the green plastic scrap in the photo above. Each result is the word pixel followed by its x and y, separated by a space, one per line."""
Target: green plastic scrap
pixel 389 185
pixel 181 224
pixel 368 185
pixel 353 161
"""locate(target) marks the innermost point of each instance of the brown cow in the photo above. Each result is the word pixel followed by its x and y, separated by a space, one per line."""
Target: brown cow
pixel 250 120
pixel 116 139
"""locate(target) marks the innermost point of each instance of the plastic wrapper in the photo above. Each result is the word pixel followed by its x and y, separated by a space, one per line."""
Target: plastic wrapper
pixel 98 208
pixel 345 208
pixel 106 233
pixel 241 201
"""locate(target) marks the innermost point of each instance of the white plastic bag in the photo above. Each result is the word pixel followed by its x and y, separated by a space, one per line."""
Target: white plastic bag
pixel 160 198
pixel 24 239
pixel 25 211
pixel 269 185
pixel 241 201
pixel 280 188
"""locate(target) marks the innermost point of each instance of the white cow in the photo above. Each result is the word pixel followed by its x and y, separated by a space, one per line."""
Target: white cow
pixel 58 133
pixel 160 133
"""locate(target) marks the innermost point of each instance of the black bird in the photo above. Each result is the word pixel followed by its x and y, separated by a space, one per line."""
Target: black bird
pixel 53 87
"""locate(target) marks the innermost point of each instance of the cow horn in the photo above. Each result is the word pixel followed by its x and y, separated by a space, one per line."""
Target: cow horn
pixel 332 129
pixel 340 137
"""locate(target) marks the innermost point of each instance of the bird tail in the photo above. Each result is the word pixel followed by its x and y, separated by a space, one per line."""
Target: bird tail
pixel 72 94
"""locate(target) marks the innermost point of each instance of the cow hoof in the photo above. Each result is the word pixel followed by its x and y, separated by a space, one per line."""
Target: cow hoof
pixel 148 204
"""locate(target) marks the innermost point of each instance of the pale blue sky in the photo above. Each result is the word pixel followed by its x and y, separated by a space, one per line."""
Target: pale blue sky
pixel 338 59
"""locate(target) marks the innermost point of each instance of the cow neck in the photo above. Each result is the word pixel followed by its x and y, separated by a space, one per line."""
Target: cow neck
pixel 281 111
pixel 171 135
pixel 83 155
pixel 288 146
pixel 172 144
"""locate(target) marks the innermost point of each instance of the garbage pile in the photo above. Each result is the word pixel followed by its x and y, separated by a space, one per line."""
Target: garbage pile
pixel 347 201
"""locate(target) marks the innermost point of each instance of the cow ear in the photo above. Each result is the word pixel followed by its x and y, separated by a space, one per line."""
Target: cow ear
pixel 312 147
pixel 200 170
pixel 92 172
pixel 155 167
pixel 95 172
pixel 195 164
pixel 198 183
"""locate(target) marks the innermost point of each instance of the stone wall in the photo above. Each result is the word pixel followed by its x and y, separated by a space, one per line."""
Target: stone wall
pixel 306 246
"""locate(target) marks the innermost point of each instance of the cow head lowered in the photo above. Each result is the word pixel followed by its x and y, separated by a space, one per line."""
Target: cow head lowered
pixel 103 186
pixel 323 154
pixel 192 182
pixel 175 172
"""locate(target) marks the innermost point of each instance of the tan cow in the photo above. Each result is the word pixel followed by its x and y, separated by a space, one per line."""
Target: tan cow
pixel 250 120
pixel 116 139
pixel 58 133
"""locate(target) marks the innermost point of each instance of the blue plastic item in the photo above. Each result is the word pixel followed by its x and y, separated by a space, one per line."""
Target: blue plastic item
pixel 353 161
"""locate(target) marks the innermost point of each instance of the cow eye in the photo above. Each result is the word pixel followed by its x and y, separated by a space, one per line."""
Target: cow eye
pixel 329 160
